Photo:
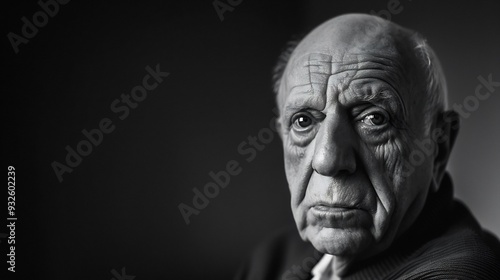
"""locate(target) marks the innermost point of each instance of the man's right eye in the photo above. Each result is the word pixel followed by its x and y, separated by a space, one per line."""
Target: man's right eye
pixel 302 122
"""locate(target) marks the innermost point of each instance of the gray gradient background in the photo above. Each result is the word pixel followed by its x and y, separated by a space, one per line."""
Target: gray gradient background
pixel 118 208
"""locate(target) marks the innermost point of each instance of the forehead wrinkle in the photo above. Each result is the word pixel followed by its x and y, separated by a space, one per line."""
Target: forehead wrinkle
pixel 342 86
pixel 313 70
pixel 367 92
pixel 351 95
pixel 394 93
pixel 303 100
pixel 394 74
pixel 349 61
pixel 301 89
pixel 391 76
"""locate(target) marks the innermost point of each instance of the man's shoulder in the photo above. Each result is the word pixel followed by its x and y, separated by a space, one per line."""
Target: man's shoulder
pixel 463 251
pixel 282 255
pixel 460 255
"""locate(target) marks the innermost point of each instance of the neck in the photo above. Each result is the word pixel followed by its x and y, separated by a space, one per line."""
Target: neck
pixel 340 266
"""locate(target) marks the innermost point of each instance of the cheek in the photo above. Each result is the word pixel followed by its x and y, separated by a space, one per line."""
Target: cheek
pixel 295 158
pixel 391 154
pixel 298 169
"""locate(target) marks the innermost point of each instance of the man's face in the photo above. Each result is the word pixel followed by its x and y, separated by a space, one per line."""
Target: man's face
pixel 346 130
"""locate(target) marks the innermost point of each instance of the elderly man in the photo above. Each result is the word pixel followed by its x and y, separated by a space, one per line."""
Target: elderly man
pixel 366 138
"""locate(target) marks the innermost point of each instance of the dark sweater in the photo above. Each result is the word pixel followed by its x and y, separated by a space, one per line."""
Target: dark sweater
pixel 445 242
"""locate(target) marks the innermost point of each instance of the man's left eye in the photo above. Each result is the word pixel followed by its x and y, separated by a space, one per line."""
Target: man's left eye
pixel 374 119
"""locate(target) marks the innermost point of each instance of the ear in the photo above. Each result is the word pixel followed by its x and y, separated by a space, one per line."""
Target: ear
pixel 444 135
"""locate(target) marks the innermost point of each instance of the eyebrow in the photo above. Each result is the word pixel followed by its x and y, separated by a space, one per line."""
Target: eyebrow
pixel 386 95
pixel 302 97
pixel 320 66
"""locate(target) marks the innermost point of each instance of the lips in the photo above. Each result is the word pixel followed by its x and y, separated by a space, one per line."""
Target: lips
pixel 334 212
pixel 327 206
pixel 337 215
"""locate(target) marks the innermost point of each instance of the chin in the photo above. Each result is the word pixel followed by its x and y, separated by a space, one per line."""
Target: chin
pixel 339 242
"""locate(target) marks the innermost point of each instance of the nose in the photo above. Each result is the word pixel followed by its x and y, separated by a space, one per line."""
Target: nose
pixel 334 152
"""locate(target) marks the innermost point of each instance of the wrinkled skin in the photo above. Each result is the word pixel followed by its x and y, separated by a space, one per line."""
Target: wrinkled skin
pixel 348 116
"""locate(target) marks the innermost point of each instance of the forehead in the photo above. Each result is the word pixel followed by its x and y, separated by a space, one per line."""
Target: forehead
pixel 350 56
pixel 312 71
pixel 313 74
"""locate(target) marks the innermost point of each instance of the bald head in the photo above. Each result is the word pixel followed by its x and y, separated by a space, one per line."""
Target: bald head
pixel 352 33
pixel 352 37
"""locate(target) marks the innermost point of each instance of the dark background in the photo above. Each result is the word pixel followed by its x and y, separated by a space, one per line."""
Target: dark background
pixel 119 207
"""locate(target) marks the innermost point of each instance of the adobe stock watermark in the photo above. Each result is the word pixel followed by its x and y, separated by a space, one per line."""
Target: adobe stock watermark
pixel 30 28
pixel 394 7
pixel 469 105
pixel 222 6
pixel 121 107
pixel 221 179
pixel 122 276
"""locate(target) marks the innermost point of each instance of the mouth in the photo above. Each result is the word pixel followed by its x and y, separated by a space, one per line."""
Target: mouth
pixel 337 215
pixel 334 207
pixel 333 210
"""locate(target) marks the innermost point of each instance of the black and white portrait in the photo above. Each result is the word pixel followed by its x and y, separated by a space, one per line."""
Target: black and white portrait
pixel 237 139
